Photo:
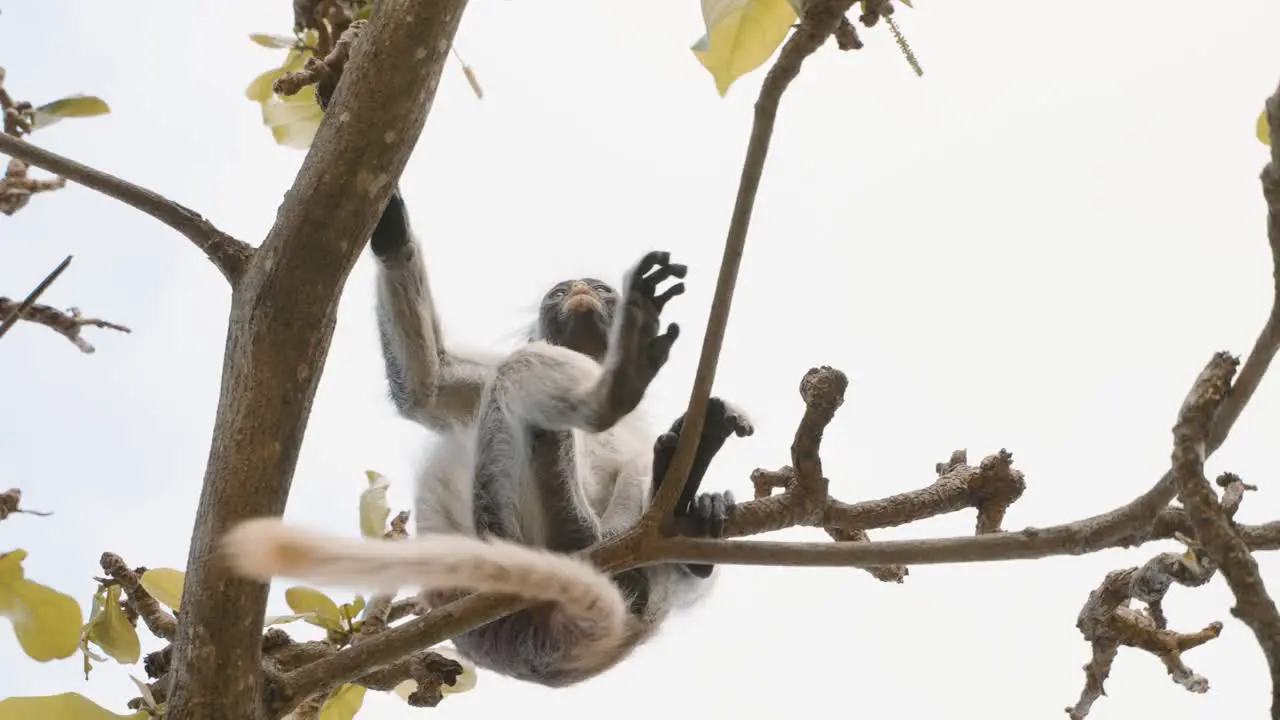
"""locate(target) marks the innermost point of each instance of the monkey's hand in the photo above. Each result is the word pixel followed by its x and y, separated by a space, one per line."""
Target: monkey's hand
pixel 637 351
pixel 391 235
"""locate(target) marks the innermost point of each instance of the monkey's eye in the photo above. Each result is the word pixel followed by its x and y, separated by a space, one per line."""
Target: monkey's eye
pixel 557 293
pixel 602 289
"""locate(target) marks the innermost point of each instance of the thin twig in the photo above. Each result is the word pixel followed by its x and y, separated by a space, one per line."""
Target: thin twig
pixel 228 254
pixel 820 20
pixel 12 318
pixel 66 323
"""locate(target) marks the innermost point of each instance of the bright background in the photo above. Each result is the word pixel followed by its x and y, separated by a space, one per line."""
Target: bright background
pixel 1036 246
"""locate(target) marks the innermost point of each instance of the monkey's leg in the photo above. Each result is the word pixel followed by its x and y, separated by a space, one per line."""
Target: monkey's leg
pixel 711 510
pixel 527 478
pixel 428 385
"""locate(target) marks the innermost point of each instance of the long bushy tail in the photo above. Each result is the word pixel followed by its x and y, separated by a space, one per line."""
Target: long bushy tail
pixel 265 548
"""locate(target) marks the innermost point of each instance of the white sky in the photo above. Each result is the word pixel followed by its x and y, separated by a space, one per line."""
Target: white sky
pixel 1036 246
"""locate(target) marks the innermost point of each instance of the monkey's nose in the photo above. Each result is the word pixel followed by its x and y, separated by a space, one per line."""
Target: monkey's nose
pixel 580 288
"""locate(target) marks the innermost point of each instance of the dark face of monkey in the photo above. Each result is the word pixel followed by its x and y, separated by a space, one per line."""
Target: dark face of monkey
pixel 577 314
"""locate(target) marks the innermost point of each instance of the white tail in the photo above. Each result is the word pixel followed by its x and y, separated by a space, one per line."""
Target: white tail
pixel 265 548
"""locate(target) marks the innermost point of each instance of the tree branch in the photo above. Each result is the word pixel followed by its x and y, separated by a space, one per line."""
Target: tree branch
pixel 1146 517
pixel 228 254
pixel 67 324
pixel 282 319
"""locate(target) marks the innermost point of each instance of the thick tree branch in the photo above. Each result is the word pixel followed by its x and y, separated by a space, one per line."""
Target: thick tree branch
pixel 821 18
pixel 228 254
pixel 281 324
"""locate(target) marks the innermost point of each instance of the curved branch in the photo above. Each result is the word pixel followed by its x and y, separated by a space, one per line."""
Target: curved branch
pixel 820 20
pixel 228 254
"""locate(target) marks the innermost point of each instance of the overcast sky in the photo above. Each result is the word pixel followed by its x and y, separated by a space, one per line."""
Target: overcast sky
pixel 1036 246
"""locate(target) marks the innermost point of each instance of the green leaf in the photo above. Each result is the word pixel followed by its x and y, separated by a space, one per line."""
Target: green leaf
pixel 1264 129
pixel 71 106
pixel 46 622
pixel 165 585
pixel 343 704
pixel 276 42
pixel 308 600
pixel 374 509
pixel 741 35
pixel 67 706
pixel 112 631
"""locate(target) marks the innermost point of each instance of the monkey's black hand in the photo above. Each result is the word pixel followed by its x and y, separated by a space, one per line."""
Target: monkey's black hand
pixel 639 351
pixel 392 231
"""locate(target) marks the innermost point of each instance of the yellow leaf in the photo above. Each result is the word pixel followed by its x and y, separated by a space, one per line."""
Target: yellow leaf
pixel 343 704
pixel 260 89
pixel 165 585
pixel 741 35
pixel 268 40
pixel 907 3
pixel 46 622
pixel 112 632
pixel 67 706
pixel 307 600
pixel 1264 130
pixel 350 611
pixel 466 679
pixel 293 120
pixel 286 619
pixel 374 509
pixel 144 692
pixel 71 106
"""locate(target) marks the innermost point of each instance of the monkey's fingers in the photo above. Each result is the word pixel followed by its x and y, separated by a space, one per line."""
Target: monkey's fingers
pixel 660 301
pixel 652 259
pixel 660 347
pixel 663 272
pixel 704 512
pixel 720 503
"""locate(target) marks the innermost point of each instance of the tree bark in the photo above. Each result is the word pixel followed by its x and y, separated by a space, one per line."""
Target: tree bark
pixel 280 327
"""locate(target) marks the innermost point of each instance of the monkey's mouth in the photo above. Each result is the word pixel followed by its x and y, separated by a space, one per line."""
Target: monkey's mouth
pixel 582 301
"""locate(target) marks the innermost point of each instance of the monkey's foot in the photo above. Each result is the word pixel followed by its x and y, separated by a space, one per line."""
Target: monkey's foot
pixel 725 419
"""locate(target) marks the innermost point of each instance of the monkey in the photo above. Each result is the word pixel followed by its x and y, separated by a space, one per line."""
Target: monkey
pixel 540 456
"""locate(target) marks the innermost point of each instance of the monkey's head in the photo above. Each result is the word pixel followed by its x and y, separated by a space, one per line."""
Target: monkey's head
pixel 577 314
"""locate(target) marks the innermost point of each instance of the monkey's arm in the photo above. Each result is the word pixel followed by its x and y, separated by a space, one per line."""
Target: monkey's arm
pixel 428 384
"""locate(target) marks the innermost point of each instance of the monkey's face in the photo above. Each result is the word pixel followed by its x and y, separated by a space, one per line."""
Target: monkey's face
pixel 577 313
